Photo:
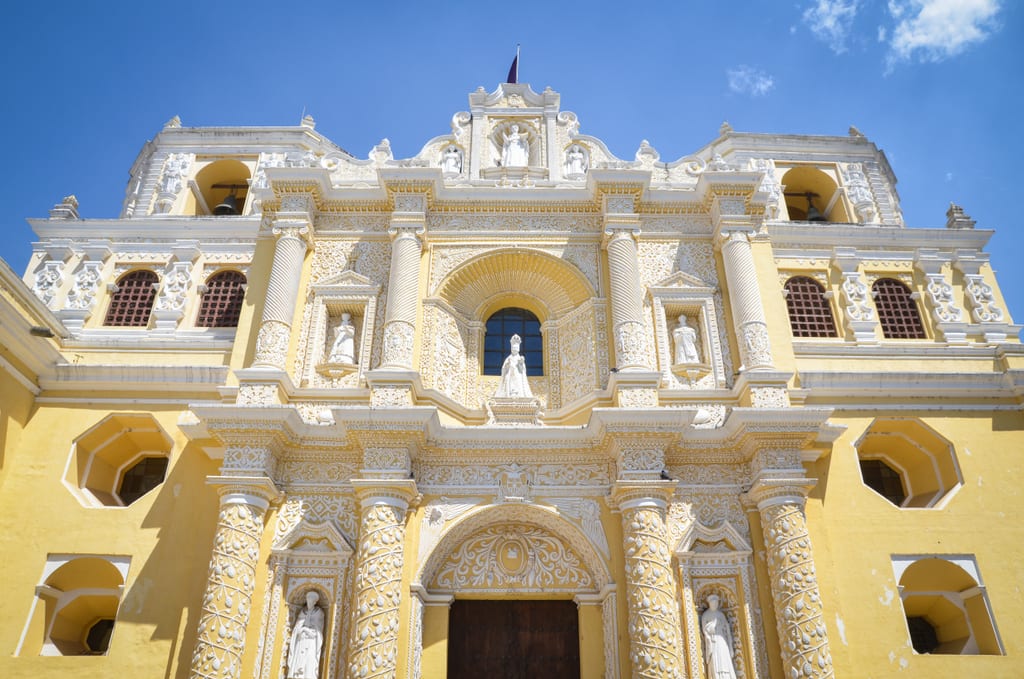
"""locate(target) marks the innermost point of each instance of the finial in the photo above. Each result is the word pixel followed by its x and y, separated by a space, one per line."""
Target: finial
pixel 67 208
pixel 724 128
pixel 956 218
pixel 307 121
pixel 854 132
pixel 173 122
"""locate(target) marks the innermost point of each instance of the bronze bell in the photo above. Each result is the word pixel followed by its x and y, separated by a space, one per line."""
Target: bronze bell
pixel 813 215
pixel 228 207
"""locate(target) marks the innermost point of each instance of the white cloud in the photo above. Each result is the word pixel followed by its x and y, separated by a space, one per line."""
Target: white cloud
pixel 749 80
pixel 831 21
pixel 934 30
pixel 882 34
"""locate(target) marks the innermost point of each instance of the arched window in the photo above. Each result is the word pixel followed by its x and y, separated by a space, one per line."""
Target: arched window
pixel 131 304
pixel 897 311
pixel 221 304
pixel 500 328
pixel 810 314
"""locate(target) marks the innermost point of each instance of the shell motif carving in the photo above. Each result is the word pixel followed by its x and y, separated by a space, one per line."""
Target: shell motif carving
pixel 519 557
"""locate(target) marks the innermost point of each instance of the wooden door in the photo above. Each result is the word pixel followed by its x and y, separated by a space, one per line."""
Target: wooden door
pixel 513 640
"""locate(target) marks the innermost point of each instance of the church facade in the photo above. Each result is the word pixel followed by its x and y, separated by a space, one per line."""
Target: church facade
pixel 511 407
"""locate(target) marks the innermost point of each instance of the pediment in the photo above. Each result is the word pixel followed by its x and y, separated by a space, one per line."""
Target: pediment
pixel 313 537
pixel 345 279
pixel 681 279
pixel 514 96
pixel 720 539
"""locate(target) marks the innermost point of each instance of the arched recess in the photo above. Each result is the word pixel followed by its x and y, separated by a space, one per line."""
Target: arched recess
pixel 946 605
pixel 510 550
pixel 717 560
pixel 806 186
pixel 555 291
pixel 215 183
pixel 80 595
pixel 314 556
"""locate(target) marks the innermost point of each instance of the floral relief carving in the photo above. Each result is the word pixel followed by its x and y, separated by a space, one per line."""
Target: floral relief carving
pixel 272 343
pixel 374 643
pixel 799 616
pixel 243 460
pixel 577 342
pixel 175 290
pixel 755 342
pixel 568 474
pixel 398 344
pixel 578 223
pixel 83 292
pixel 256 394
pixel 859 192
pixel 519 557
pixel 650 590
pixel 446 366
pixel 48 281
pixel 227 602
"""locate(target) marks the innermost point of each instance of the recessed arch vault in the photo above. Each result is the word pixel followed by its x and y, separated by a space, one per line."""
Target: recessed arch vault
pixel 515 524
pixel 544 284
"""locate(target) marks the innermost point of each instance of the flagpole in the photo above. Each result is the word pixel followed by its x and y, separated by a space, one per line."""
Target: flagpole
pixel 518 63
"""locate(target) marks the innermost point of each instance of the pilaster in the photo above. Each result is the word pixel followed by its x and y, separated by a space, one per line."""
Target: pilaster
pixel 946 315
pixel 859 312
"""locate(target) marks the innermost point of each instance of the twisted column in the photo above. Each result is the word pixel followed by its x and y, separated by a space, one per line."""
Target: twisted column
pixel 798 609
pixel 227 601
pixel 403 295
pixel 282 291
pixel 373 650
pixel 745 297
pixel 626 297
pixel 655 637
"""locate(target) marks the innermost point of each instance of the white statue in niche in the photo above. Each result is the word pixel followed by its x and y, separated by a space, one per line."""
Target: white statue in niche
pixel 307 640
pixel 717 641
pixel 451 161
pixel 575 162
pixel 344 348
pixel 513 374
pixel 685 339
pixel 516 150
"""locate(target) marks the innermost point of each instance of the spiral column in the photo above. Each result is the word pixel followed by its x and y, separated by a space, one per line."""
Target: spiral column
pixel 403 294
pixel 799 617
pixel 745 297
pixel 373 649
pixel 292 240
pixel 654 624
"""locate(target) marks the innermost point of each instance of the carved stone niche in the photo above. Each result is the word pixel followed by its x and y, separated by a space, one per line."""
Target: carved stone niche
pixel 506 163
pixel 682 294
pixel 312 556
pixel 718 561
pixel 346 293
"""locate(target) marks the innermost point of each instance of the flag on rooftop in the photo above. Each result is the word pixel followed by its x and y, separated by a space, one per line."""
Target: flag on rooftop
pixel 513 71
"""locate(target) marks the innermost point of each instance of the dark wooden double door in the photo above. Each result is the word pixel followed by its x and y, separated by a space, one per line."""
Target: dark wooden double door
pixel 513 640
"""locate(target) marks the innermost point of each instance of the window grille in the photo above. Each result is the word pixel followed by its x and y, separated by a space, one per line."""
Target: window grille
pixel 810 314
pixel 500 328
pixel 221 304
pixel 131 305
pixel 897 311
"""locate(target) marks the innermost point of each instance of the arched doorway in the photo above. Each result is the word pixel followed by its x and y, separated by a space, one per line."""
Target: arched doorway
pixel 514 590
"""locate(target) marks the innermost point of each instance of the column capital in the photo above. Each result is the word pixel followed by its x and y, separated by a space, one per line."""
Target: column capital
pixel 255 491
pixel 768 491
pixel 284 228
pixel 619 227
pixel 404 229
pixel 733 233
pixel 397 493
pixel 635 494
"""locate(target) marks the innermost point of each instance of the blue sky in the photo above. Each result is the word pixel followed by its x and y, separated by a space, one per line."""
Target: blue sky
pixel 937 84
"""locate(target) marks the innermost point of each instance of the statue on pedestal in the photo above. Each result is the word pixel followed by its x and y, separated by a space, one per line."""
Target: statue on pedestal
pixel 344 348
pixel 575 162
pixel 685 339
pixel 717 641
pixel 513 374
pixel 307 640
pixel 516 150
pixel 451 162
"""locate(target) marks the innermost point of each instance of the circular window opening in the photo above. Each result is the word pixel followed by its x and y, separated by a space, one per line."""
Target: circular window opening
pixel 97 639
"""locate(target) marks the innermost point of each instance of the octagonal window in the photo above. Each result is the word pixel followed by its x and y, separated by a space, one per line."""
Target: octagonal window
pixel 97 639
pixel 908 463
pixel 118 460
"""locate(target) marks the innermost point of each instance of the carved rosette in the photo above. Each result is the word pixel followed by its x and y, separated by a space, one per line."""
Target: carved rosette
pixel 794 584
pixel 373 649
pixel 227 601
pixel 654 631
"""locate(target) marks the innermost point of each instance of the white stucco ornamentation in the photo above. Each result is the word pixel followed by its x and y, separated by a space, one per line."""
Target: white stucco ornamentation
pixel 48 281
pixel 983 301
pixel 859 192
pixel 513 557
pixel 176 283
pixel 227 602
pixel 83 292
pixel 172 181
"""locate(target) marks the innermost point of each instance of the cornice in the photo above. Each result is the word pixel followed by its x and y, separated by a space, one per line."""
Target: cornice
pixel 156 230
pixel 827 235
